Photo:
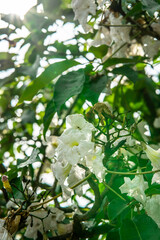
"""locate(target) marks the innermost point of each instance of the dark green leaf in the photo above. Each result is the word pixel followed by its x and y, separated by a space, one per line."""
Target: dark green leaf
pixel 17 188
pixel 67 86
pixel 128 72
pixel 33 158
pixel 93 88
pixel 151 6
pixel 116 207
pixel 51 72
pixel 49 113
pixel 142 227
pixel 153 189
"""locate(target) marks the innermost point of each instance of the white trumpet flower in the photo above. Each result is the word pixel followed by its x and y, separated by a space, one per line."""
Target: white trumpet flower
pixel 135 188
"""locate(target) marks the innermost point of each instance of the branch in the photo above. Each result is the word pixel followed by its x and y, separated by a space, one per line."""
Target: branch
pixel 131 173
pixel 96 205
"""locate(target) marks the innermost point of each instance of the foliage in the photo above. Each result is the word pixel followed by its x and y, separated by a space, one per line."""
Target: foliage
pixel 80 121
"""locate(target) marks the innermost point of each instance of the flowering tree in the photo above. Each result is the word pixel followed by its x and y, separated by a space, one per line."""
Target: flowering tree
pixel 80 121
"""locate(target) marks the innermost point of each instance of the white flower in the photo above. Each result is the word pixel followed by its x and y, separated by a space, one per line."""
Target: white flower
pixel 95 164
pixel 50 218
pixel 73 146
pixel 52 144
pixel 135 188
pixel 61 170
pixel 102 37
pixel 156 27
pixel 156 122
pixel 152 208
pixel 67 176
pixel 119 35
pixel 4 234
pixel 150 45
pixel 77 121
pixel 76 175
pixel 154 156
pixel 82 9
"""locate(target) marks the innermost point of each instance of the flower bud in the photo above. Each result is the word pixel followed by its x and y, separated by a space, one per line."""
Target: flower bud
pixel 6 183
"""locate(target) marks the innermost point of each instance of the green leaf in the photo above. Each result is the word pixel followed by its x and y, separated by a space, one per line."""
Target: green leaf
pixel 33 158
pixel 51 72
pixel 153 189
pixel 17 188
pixel 71 83
pixel 100 51
pixel 142 227
pixel 151 6
pixel 116 207
pixel 93 88
pixel 128 72
pixel 49 113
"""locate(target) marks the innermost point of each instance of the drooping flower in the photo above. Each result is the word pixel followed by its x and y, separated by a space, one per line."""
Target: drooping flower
pixel 95 164
pixel 135 188
pixel 51 146
pixel 154 156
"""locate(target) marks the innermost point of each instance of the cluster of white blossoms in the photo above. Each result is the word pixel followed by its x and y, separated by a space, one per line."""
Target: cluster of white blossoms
pixel 136 187
pixel 75 147
pixel 42 221
pixel 114 32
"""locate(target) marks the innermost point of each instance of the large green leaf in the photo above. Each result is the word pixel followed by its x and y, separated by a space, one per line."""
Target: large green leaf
pixel 33 158
pixel 113 61
pixel 49 112
pixel 47 76
pixel 142 227
pixel 99 51
pixel 93 88
pixel 67 86
pixel 116 207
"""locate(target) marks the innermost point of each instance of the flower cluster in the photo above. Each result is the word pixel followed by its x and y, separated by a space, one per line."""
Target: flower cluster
pixel 43 221
pixel 114 30
pixel 75 146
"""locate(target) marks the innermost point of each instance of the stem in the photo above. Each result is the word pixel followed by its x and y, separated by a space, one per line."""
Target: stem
pixel 114 191
pixel 130 173
pixel 60 194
